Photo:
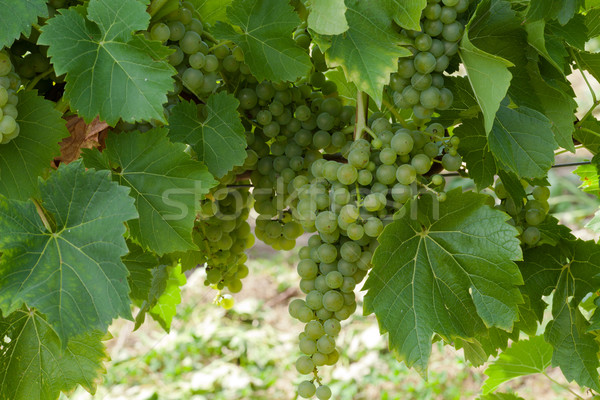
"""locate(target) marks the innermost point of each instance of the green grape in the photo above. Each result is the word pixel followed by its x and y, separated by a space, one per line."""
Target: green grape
pixel 332 106
pixel 406 174
pixel 386 174
pixel 226 301
pixel 401 193
pixel 314 300
pixel 306 389
pixel 333 301
pixel 448 15
pixel 425 62
pixel 321 139
pixel 450 3
pixel 307 269
pixel 421 163
pixel 421 113
pixel 248 99
pixel 304 364
pixel 410 95
pixel 327 253
pixel 402 142
pixel 432 11
pixel 334 279
pixel 326 344
pixel 423 42
pixel 430 98
pixel 373 227
pixel 320 359
pixel 437 180
pixel 191 42
pixel 364 177
pixel 387 156
pixel 307 346
pixel 452 32
pixel 433 27
pixel 160 32
pixel 332 327
pixel 535 216
pixel 541 193
pixel 177 31
pixel 230 64
pixel 451 163
pixel 421 81
pixel 406 68
pixel 7 125
pixel 347 174
pixel 530 237
pixel 193 79
pixel 323 392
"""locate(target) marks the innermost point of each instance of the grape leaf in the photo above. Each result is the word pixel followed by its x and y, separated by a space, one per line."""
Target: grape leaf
pixel 537 39
pixel 33 365
pixel 594 223
pixel 407 14
pixel 219 140
pixel 368 51
pixel 17 18
pixel 163 297
pixel 474 149
pixel 444 271
pixel 588 134
pixel 264 32
pixel 574 32
pixel 563 10
pixel 592 23
pixel 590 62
pixel 488 73
pixel 140 264
pixel 212 10
pixel 29 155
pixel 166 183
pixel 525 357
pixel 590 178
pixel 110 72
pixel 73 273
pixel 327 17
pixel 522 141
pixel 571 271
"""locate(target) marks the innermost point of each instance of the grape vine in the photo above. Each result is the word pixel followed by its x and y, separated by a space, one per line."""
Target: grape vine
pixel 144 139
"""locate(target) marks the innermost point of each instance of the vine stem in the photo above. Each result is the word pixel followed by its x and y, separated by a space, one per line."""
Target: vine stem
pixel 562 385
pixel 62 105
pixel 223 43
pixel 361 114
pixel 395 113
pixel 568 151
pixel 38 78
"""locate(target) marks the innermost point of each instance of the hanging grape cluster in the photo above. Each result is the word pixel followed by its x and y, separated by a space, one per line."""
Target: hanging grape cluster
pixel 9 84
pixel 419 82
pixel 527 213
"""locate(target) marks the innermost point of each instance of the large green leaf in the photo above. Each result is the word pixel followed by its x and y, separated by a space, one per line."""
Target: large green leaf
pixel 263 29
pixel 163 297
pixel 407 14
pixel 488 73
pixel 525 357
pixel 327 17
pixel 589 135
pixel 590 62
pixel 537 39
pixel 34 365
pixel 592 23
pixel 369 50
pixel 589 175
pixel 140 264
pixel 571 271
pixel 475 151
pixel 219 140
pixel 563 10
pixel 17 18
pixel 29 155
pixel 72 273
pixel 444 271
pixel 110 72
pixel 522 141
pixel 166 183
pixel 500 396
pixel 212 10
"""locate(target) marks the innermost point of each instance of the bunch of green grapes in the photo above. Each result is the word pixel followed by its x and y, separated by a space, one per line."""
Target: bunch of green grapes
pixel 292 128
pixel 348 204
pixel 528 213
pixel 9 84
pixel 419 82
pixel 200 62
pixel 223 234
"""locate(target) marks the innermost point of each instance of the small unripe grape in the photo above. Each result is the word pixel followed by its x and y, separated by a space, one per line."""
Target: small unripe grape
pixel 306 389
